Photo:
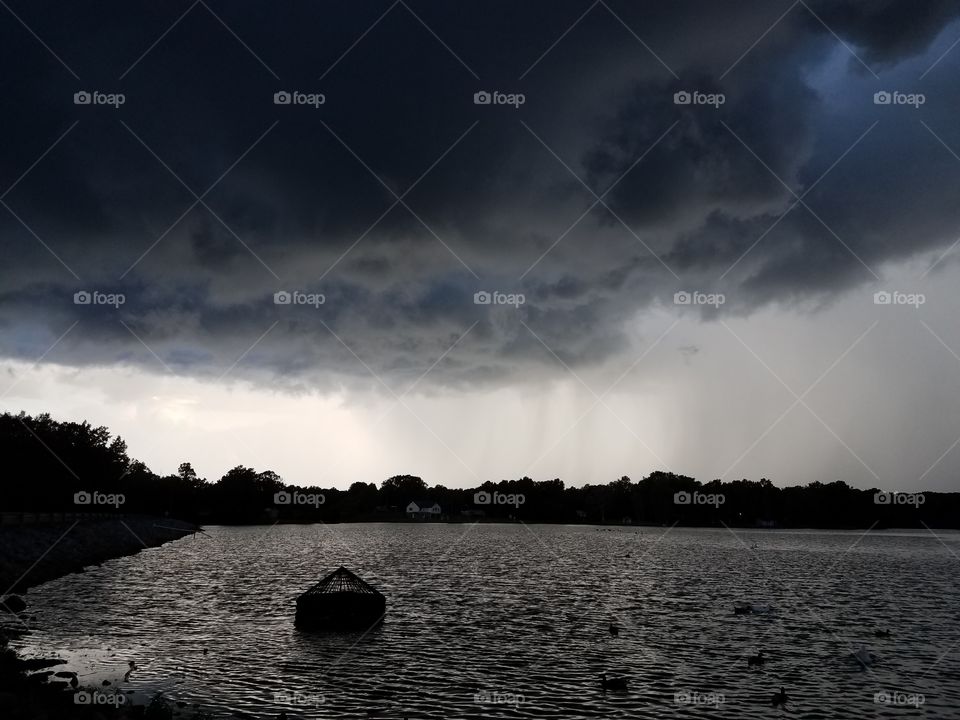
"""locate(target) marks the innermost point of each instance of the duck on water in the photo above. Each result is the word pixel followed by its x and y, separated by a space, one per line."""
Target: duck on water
pixel 614 683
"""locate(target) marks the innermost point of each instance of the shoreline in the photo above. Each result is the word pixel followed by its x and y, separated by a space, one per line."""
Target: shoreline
pixel 35 554
pixel 608 525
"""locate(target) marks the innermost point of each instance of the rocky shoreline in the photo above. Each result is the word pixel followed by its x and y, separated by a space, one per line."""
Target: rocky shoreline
pixel 34 554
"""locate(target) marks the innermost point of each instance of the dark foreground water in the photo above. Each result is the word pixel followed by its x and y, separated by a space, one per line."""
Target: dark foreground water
pixel 511 621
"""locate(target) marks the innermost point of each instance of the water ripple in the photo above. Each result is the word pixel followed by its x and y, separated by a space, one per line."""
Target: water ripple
pixel 508 621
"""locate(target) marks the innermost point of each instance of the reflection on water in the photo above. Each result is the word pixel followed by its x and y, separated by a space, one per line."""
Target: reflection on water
pixel 511 621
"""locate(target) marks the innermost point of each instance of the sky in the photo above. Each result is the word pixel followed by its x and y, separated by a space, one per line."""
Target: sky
pixel 480 240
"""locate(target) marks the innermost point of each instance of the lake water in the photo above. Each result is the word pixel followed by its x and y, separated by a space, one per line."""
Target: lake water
pixel 511 621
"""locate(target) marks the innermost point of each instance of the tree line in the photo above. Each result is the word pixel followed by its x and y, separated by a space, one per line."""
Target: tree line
pixel 54 466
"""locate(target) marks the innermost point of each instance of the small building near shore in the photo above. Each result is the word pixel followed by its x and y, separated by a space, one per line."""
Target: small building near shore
pixel 423 510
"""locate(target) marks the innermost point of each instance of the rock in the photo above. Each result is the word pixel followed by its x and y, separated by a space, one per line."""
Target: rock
pixel 13 604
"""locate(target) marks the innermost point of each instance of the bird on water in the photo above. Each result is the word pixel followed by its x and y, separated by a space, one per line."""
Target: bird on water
pixel 616 683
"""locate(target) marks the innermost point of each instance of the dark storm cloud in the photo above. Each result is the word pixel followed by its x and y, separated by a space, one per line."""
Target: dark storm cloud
pixel 199 198
pixel 887 32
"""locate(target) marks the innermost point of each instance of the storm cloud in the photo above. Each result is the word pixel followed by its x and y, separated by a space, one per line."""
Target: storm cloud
pixel 398 199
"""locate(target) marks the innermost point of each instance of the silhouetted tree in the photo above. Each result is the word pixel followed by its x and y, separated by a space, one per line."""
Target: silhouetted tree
pixel 401 489
pixel 48 461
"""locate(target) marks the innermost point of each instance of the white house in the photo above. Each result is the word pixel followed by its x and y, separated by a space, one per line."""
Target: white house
pixel 423 510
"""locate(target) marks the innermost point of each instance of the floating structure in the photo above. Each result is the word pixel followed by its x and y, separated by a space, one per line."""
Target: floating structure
pixel 341 601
